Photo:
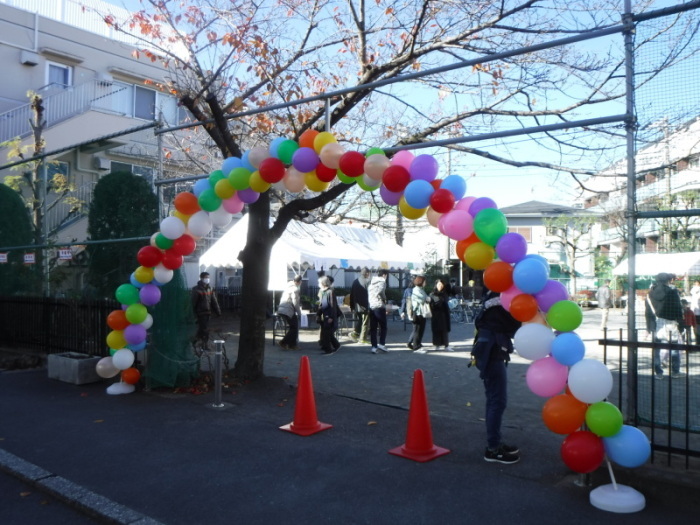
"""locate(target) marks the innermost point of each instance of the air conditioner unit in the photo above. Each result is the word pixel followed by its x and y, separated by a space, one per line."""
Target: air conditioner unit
pixel 101 163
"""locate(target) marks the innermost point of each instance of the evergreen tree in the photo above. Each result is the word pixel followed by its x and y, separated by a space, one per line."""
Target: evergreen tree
pixel 15 230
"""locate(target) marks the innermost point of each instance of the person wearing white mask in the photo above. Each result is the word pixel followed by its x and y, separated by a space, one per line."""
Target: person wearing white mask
pixel 204 303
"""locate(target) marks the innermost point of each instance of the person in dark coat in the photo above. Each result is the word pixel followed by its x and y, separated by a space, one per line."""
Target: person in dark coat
pixel 328 308
pixel 204 303
pixel 359 304
pixel 440 321
pixel 664 317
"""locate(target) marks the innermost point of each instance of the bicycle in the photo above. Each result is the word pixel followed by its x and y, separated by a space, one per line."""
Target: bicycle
pixel 457 311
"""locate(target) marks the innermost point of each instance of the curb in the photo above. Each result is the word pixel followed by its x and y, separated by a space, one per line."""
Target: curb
pixel 76 496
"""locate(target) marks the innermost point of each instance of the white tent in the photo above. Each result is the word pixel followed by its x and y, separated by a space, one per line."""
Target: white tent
pixel 322 246
pixel 654 263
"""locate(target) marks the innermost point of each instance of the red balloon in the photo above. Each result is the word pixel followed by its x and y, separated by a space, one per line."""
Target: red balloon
pixel 396 178
pixel 324 173
pixel 131 376
pixel 183 245
pixel 352 163
pixel 149 256
pixel 442 201
pixel 523 307
pixel 582 451
pixel 117 320
pixel 186 203
pixel 436 183
pixel 171 259
pixel 271 170
pixel 498 276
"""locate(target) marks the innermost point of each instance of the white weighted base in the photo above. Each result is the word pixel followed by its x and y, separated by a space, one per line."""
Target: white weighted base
pixel 617 498
pixel 120 388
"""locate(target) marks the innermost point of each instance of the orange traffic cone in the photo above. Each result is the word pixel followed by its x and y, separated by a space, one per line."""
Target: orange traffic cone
pixel 419 439
pixel 305 420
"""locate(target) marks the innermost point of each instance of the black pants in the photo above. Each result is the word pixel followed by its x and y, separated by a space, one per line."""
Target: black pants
pixel 292 335
pixel 203 327
pixel 418 331
pixel 328 340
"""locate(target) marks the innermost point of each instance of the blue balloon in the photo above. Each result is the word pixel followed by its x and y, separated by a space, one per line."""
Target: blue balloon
pixel 456 184
pixel 245 163
pixel 417 193
pixel 229 164
pixel 568 348
pixel 538 257
pixel 628 448
pixel 530 275
pixel 134 282
pixel 137 347
pixel 274 146
pixel 200 186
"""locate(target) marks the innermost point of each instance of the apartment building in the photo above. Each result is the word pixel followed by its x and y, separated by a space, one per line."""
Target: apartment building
pixel 93 86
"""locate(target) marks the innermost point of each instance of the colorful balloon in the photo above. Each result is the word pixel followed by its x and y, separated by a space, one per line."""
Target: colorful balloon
pixel 423 167
pixel 417 193
pixel 533 341
pixel 568 348
pixel 564 414
pixel 511 247
pixel 604 419
pixel 628 448
pixel 479 255
pixel 305 160
pixel 553 292
pixel 498 277
pixel 396 178
pixel 490 225
pixel 442 200
pixel 352 163
pixel 523 307
pixel 186 203
pixel 565 316
pixel 582 451
pixel 590 381
pixel 546 377
pixel 530 276
pixel 455 185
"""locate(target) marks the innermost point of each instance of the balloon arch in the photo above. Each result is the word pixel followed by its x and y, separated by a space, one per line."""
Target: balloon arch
pixel 576 387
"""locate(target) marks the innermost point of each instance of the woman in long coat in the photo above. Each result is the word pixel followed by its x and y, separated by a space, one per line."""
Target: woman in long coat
pixel 440 322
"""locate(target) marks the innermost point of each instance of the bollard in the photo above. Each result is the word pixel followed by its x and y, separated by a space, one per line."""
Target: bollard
pixel 218 403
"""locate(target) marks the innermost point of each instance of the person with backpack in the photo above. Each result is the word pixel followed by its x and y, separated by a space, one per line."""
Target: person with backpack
pixel 664 318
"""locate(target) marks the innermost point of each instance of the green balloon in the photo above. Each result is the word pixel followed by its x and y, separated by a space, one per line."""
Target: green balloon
pixel 240 178
pixel 604 419
pixel 362 184
pixel 565 316
pixel 208 200
pixel 286 150
pixel 127 294
pixel 490 225
pixel 375 151
pixel 163 242
pixel 216 176
pixel 345 179
pixel 136 313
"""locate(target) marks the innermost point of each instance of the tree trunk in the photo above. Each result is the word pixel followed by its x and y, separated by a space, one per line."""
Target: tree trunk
pixel 256 272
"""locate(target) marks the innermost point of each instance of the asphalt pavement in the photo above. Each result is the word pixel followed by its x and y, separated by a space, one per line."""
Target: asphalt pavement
pixel 156 456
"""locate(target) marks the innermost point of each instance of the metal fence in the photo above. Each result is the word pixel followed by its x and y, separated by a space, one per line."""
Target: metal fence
pixel 667 409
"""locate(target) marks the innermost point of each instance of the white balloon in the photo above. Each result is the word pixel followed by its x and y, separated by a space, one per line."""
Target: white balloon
pixel 256 155
pixel 149 319
pixel 172 227
pixel 153 240
pixel 294 180
pixel 533 341
pixel 105 368
pixel 220 217
pixel 370 182
pixel 162 274
pixel 199 224
pixel 123 359
pixel 590 381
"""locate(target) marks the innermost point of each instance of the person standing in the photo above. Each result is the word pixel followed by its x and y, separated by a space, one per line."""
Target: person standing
pixel 664 318
pixel 290 308
pixel 604 298
pixel 440 321
pixel 695 307
pixel 329 316
pixel 495 329
pixel 204 303
pixel 420 302
pixel 689 322
pixel 359 304
pixel 377 318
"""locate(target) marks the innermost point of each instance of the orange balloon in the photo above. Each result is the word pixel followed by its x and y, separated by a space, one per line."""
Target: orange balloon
pixel 523 307
pixel 564 414
pixel 498 277
pixel 131 376
pixel 186 203
pixel 117 320
pixel 462 245
pixel 306 140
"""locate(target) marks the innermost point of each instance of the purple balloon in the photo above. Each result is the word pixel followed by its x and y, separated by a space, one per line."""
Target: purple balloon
pixel 305 160
pixel 248 196
pixel 481 204
pixel 553 292
pixel 424 167
pixel 511 247
pixel 134 334
pixel 392 198
pixel 149 294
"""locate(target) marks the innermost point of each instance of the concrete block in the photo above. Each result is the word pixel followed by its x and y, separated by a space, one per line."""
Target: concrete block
pixel 73 367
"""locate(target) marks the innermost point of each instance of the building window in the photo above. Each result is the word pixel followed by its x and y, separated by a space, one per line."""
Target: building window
pixel 526 232
pixel 144 103
pixel 142 171
pixel 57 167
pixel 58 75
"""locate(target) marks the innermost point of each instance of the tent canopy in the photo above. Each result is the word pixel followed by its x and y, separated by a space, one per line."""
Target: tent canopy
pixel 320 245
pixel 654 263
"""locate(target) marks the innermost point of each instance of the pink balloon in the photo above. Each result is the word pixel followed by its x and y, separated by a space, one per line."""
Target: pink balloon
pixel 508 295
pixel 457 224
pixel 403 158
pixel 464 204
pixel 546 377
pixel 233 204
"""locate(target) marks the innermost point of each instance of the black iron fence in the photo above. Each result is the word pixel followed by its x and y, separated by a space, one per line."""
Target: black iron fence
pixel 667 406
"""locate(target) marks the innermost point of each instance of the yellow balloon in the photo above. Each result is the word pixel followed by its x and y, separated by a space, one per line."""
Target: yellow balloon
pixel 322 139
pixel 314 183
pixel 409 212
pixel 115 339
pixel 184 218
pixel 479 255
pixel 257 183
pixel 143 274
pixel 223 189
